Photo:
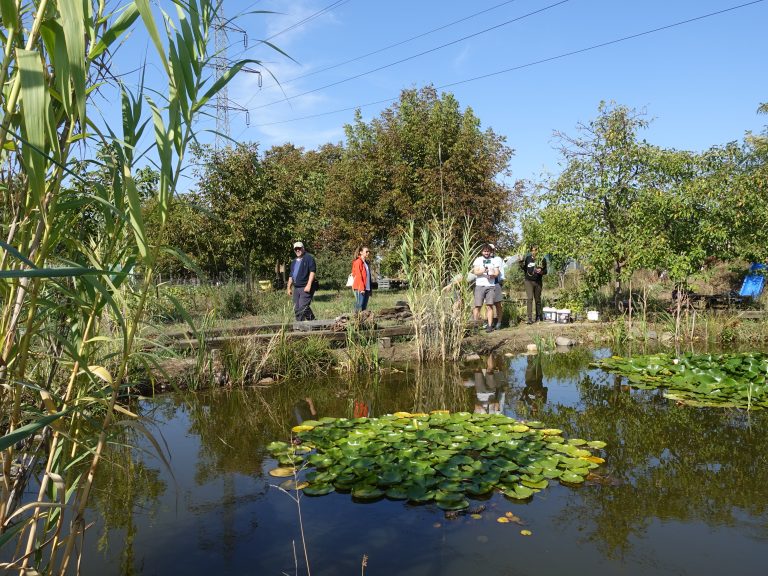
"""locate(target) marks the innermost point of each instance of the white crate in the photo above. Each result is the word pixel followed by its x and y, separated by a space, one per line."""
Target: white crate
pixel 563 316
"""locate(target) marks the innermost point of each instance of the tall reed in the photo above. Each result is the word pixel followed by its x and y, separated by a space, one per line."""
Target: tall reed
pixel 436 264
pixel 76 259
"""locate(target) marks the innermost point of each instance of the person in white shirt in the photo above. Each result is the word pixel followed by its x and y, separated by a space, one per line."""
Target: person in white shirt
pixel 498 297
pixel 485 285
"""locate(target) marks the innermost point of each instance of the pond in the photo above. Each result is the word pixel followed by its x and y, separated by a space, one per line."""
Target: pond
pixel 683 490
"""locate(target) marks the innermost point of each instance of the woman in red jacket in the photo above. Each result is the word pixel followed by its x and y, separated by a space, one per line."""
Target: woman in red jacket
pixel 361 278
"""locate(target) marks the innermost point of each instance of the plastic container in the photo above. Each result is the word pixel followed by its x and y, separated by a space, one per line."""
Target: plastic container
pixel 549 314
pixel 593 315
pixel 563 316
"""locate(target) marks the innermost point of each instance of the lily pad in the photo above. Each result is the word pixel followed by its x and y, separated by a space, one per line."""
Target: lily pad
pixel 318 489
pixel 282 471
pixel 440 458
pixel 291 484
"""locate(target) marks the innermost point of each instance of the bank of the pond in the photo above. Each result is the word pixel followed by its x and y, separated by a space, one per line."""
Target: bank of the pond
pixel 185 372
pixel 211 368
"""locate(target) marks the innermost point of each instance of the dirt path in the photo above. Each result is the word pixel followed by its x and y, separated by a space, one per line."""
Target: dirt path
pixel 513 339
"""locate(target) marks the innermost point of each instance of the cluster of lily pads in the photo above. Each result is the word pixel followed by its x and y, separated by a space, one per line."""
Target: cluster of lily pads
pixel 440 457
pixel 726 380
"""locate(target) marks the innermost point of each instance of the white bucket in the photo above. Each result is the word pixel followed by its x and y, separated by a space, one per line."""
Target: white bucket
pixel 593 315
pixel 549 314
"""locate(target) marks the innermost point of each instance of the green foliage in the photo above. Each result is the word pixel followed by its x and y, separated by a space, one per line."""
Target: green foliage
pixel 75 238
pixel 726 380
pixel 333 268
pixel 622 204
pixel 236 300
pixel 435 264
pixel 436 457
pixel 423 157
pixel 300 357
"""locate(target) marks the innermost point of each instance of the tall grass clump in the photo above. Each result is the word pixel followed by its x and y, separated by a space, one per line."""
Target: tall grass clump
pixel 362 346
pixel 77 259
pixel 436 263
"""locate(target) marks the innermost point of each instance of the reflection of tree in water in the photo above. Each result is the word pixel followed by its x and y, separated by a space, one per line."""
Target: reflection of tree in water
pixel 123 485
pixel 664 462
pixel 565 365
pixel 438 388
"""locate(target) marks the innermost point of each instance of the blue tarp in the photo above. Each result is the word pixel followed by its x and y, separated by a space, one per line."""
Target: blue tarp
pixel 754 281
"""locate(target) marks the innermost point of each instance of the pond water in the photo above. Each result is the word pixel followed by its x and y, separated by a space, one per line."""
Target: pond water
pixel 683 490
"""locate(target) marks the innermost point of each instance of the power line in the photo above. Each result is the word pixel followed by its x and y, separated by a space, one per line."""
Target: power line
pixel 356 76
pixel 295 24
pixel 529 64
pixel 308 18
pixel 400 43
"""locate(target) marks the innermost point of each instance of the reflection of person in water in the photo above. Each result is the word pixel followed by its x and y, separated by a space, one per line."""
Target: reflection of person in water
pixel 534 393
pixel 304 410
pixel 360 409
pixel 489 396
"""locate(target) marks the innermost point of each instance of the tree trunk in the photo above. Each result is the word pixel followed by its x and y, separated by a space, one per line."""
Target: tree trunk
pixel 617 286
pixel 247 270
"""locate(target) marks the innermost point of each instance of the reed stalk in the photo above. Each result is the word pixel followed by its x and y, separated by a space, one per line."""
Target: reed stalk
pixel 72 244
pixel 435 265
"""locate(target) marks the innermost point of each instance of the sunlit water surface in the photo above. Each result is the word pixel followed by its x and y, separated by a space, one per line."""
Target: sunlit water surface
pixel 683 490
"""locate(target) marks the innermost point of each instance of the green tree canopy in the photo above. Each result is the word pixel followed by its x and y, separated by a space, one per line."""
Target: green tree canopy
pixel 422 157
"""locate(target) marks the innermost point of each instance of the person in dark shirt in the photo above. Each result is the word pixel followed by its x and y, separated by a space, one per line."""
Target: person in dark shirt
pixel 302 278
pixel 534 268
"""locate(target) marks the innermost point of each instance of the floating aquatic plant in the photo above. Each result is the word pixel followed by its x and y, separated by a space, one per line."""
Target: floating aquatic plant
pixel 438 457
pixel 724 380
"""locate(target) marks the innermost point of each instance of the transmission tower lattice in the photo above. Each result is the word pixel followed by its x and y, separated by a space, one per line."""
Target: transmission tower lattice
pixel 222 101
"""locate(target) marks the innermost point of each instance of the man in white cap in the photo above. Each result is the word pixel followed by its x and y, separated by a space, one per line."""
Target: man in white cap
pixel 485 286
pixel 302 278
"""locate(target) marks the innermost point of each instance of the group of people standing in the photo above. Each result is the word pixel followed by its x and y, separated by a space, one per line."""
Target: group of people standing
pixel 302 281
pixel 488 270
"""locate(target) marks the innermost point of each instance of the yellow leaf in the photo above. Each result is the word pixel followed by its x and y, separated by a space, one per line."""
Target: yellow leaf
pixel 301 428
pixel 525 532
pixel 595 459
pixel 125 411
pixel 502 520
pixel 282 472
pixel 291 484
pixel 102 373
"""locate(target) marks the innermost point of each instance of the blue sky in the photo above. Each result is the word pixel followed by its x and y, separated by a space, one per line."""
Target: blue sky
pixel 700 82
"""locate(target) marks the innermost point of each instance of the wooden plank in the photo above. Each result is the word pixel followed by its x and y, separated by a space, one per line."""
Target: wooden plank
pixel 753 314
pixel 218 342
pixel 313 325
pixel 235 331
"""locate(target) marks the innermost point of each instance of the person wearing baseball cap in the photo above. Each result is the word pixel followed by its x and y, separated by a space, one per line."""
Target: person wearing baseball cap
pixel 302 277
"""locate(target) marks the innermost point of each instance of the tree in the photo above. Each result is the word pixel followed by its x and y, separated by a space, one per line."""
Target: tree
pixel 251 217
pixel 594 208
pixel 422 157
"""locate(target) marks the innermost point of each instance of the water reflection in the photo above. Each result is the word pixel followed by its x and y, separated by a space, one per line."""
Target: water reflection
pixel 665 462
pixel 489 387
pixel 698 473
pixel 535 393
